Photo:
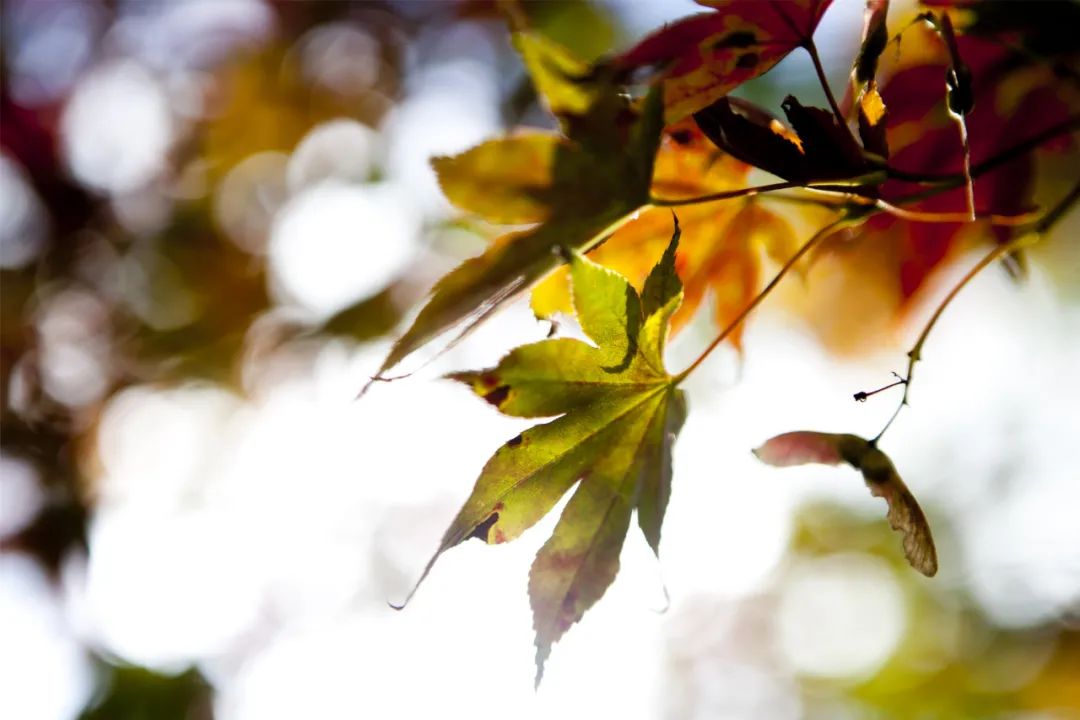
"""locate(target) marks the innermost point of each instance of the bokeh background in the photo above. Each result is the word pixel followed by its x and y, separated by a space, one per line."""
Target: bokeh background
pixel 214 214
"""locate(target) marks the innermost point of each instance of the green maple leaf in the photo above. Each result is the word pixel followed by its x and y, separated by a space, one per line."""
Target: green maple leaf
pixel 619 412
pixel 578 185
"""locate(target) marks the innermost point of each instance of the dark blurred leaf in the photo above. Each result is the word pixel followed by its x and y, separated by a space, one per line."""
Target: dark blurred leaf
pixel 1014 99
pixel 1044 29
pixel 961 95
pixel 132 693
pixel 61 526
pixel 818 149
pixel 874 39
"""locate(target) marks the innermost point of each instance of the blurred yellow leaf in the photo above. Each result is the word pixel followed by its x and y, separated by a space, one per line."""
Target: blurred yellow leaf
pixel 556 74
pixel 508 180
pixel 721 242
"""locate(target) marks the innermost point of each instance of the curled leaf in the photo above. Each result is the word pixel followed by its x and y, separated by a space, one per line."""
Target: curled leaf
pixel 958 78
pixel 875 38
pixel 816 148
pixel 904 516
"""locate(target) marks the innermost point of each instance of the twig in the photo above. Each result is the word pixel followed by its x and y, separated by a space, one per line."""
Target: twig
pixel 1036 230
pixel 802 251
pixel 955 217
pixel 862 395
pixel 726 195
pixel 969 181
pixel 811 48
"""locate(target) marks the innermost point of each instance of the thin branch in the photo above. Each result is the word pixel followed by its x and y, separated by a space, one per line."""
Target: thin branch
pixel 969 182
pixel 1037 229
pixel 955 217
pixel 862 395
pixel 938 183
pixel 830 200
pixel 833 188
pixel 727 195
pixel 807 247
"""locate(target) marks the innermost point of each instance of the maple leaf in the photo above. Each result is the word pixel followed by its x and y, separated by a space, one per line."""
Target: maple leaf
pixel 721 247
pixel 619 412
pixel 905 515
pixel 522 178
pixel 816 147
pixel 704 57
pixel 581 185
pixel 1013 98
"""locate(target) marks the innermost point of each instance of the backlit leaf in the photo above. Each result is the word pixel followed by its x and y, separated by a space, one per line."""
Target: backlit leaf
pixel 720 252
pixel 613 437
pixel 703 57
pixel 558 76
pixel 904 516
pixel 508 180
pixel 608 182
pixel 872 116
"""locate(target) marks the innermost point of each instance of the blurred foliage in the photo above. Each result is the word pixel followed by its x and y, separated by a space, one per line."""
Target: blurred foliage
pixel 953 662
pixel 133 693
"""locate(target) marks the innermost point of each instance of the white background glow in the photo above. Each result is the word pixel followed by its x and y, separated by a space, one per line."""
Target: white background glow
pixel 117 128
pixel 333 244
pixel 840 616
pixel 44 673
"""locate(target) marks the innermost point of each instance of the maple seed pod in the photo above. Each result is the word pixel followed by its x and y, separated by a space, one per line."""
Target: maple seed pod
pixel 879 473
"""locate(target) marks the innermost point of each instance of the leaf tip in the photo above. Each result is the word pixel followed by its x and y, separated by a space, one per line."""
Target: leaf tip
pixel 542 651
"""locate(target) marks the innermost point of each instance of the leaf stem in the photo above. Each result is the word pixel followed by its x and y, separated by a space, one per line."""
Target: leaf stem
pixel 811 48
pixel 1037 229
pixel 822 186
pixel 802 251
